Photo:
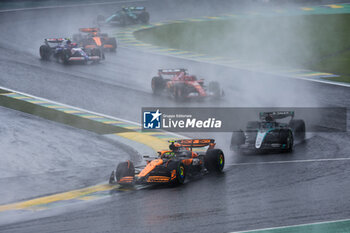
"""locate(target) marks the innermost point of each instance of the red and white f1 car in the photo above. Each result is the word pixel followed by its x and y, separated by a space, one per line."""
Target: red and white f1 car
pixel 180 85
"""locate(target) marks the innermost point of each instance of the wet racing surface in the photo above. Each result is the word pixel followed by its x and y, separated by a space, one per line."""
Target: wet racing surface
pixel 250 193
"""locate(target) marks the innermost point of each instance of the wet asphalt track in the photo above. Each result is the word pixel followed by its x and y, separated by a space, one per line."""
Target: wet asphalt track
pixel 251 195
pixel 41 157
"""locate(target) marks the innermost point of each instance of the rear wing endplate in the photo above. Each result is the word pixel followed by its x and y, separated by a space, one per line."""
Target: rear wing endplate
pixel 276 114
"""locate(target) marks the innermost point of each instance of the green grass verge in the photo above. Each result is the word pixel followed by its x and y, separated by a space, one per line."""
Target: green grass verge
pixel 318 42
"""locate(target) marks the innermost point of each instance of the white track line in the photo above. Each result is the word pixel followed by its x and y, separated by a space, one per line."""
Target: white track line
pixel 290 161
pixel 73 5
pixel 297 225
pixel 325 82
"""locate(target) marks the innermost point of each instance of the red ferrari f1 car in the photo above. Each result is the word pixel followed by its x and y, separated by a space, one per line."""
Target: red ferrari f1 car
pixel 172 166
pixel 180 85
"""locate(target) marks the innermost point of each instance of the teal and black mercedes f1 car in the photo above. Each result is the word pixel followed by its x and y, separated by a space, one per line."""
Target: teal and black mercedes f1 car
pixel 126 16
pixel 268 134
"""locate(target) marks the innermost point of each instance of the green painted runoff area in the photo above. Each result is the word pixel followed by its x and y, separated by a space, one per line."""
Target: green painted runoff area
pixel 316 39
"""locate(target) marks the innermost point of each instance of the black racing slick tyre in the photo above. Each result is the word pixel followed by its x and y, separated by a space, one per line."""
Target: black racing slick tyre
pixel 214 160
pixel 298 127
pixel 112 41
pixel 124 169
pixel 158 85
pixel 286 138
pixel 180 174
pixel 144 18
pixel 45 52
pixel 290 142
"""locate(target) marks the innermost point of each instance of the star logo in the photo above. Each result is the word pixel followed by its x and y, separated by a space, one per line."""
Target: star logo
pixel 156 115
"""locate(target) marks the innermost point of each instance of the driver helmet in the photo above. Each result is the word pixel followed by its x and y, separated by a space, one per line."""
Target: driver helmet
pixel 68 42
pixel 174 146
pixel 269 118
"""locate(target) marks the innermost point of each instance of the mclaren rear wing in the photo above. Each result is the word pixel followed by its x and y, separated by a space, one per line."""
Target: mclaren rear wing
pixel 276 115
pixel 171 71
pixel 89 30
pixel 195 143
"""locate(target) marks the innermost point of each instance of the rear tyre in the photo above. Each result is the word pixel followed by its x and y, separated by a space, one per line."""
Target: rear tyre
pixel 144 18
pixel 158 85
pixel 112 41
pixel 180 174
pixel 45 52
pixel 214 160
pixel 124 169
pixel 298 127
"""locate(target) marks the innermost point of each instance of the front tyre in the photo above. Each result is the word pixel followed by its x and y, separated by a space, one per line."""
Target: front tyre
pixel 125 173
pixel 214 160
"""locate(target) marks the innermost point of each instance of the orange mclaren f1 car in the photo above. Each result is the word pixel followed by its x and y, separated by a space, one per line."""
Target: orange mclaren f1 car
pixel 172 166
pixel 94 39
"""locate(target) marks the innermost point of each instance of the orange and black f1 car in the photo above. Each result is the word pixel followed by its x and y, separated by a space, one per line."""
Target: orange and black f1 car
pixel 172 166
pixel 93 38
